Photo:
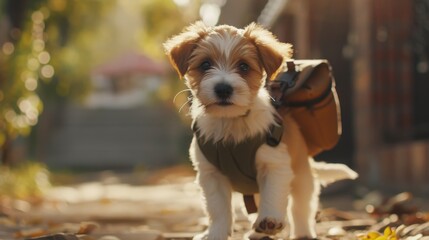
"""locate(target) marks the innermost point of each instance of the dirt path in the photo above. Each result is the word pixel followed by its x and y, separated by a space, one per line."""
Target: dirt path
pixel 112 209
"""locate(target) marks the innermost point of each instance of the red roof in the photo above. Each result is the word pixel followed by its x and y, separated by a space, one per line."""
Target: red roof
pixel 130 63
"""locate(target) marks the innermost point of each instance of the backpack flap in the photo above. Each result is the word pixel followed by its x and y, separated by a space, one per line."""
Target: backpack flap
pixel 307 89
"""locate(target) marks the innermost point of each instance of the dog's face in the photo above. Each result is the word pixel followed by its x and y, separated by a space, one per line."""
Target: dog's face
pixel 224 66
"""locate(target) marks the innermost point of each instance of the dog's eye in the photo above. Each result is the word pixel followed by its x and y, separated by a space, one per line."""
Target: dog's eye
pixel 243 67
pixel 206 65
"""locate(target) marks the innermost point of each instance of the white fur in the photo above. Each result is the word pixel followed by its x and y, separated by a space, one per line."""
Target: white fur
pixel 272 163
pixel 241 98
pixel 226 43
pixel 259 118
pixel 274 175
pixel 332 172
pixel 287 177
pixel 217 196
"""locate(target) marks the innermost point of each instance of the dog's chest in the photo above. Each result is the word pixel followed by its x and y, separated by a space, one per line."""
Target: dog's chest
pixel 237 160
pixel 234 160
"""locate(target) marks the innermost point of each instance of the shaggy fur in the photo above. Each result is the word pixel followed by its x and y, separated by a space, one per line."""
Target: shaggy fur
pixel 226 68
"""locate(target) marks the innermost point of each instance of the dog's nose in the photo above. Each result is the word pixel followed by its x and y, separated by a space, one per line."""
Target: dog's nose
pixel 223 90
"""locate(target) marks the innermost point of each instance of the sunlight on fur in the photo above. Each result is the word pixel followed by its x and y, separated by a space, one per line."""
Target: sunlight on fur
pixel 226 70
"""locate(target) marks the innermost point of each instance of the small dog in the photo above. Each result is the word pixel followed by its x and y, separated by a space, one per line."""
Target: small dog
pixel 226 69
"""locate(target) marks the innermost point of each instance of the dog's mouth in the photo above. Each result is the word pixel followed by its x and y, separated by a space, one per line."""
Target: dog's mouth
pixel 220 104
pixel 224 103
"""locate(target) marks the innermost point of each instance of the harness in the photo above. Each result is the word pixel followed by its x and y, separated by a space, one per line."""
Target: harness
pixel 237 160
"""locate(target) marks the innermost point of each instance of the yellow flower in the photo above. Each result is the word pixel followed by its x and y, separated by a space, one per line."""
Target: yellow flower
pixel 388 234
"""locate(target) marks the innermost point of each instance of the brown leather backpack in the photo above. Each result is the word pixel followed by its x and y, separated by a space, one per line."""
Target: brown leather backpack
pixel 306 88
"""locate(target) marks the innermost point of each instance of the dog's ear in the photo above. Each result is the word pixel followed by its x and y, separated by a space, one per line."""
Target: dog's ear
pixel 272 52
pixel 179 48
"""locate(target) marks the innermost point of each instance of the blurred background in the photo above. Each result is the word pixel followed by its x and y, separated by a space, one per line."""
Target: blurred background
pixel 85 85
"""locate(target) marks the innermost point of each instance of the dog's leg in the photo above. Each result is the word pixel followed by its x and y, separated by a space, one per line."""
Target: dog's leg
pixel 304 201
pixel 216 191
pixel 274 177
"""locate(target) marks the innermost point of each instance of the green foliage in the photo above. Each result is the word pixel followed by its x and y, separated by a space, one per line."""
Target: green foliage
pixel 162 19
pixel 23 181
pixel 73 33
pixel 51 57
pixel 20 70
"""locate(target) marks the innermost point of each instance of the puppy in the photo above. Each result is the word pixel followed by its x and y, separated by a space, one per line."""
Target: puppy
pixel 226 70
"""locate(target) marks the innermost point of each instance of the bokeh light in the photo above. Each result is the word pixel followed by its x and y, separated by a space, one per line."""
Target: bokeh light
pixel 44 57
pixel 31 84
pixel 8 48
pixel 47 71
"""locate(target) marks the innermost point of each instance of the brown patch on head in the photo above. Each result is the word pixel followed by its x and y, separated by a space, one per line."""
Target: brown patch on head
pixel 227 50
pixel 271 52
pixel 180 47
pixel 245 56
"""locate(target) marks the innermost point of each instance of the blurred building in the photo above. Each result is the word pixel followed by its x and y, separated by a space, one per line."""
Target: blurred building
pixel 125 81
pixel 379 51
pixel 119 125
pixel 390 83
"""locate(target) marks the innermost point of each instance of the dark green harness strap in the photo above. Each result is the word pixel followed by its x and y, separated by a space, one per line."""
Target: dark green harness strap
pixel 250 204
pixel 237 160
pixel 234 160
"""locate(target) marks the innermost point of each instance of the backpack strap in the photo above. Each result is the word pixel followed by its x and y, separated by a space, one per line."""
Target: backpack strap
pixel 311 102
pixel 275 133
pixel 287 81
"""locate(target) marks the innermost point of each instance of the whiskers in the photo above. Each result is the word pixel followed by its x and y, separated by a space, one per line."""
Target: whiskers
pixel 186 103
pixel 189 99
pixel 180 92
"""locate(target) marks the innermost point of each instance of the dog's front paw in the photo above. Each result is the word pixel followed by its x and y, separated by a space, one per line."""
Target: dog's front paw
pixel 268 225
pixel 253 235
